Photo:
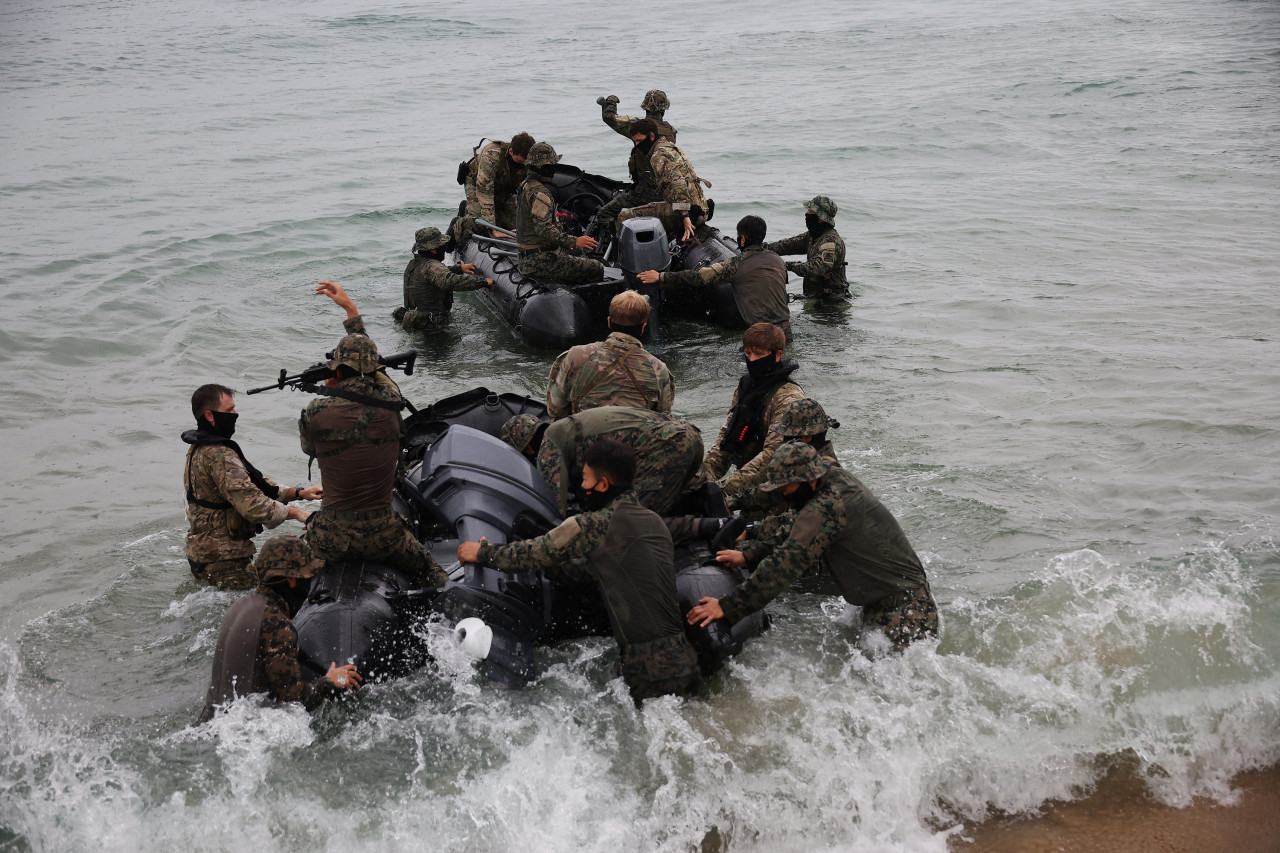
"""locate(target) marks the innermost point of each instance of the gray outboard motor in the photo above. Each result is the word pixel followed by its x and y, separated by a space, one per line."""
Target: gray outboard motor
pixel 642 245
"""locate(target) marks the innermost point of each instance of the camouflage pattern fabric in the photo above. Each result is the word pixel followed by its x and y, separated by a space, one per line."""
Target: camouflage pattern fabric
pixel 656 100
pixel 378 536
pixel 225 574
pixel 667 449
pixel 492 184
pixel 278 654
pixel 622 124
pixel 760 293
pixel 215 474
pixel 286 557
pixel 429 286
pixel 676 180
pixel 544 246
pixel 752 457
pixel 844 529
pixel 559 267
pixel 823 270
pixel 660 667
pixel 823 207
pixel 905 617
pixel 793 462
pixel 617 371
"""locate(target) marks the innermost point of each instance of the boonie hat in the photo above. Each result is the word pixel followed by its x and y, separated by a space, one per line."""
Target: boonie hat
pixel 286 557
pixel 358 352
pixel 793 462
pixel 824 207
pixel 427 239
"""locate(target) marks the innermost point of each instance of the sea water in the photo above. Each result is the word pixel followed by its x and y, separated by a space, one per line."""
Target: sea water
pixel 1059 373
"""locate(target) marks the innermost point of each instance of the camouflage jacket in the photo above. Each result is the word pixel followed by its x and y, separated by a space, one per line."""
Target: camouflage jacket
pixel 628 554
pixel 667 449
pixel 622 124
pixel 429 284
pixel 357 445
pixel 753 457
pixel 845 530
pixel 214 474
pixel 676 181
pixel 614 372
pixel 536 222
pixel 824 266
pixel 493 176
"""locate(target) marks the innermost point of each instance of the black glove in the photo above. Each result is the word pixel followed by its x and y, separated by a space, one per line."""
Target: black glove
pixel 727 537
pixel 709 527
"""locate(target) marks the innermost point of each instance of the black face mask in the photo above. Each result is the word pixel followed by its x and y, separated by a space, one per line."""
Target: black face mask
pixel 800 496
pixel 813 223
pixel 762 367
pixel 548 171
pixel 599 499
pixel 646 146
pixel 224 424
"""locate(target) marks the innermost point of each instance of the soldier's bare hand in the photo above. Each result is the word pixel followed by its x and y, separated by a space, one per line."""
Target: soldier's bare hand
pixel 468 268
pixel 707 611
pixel 468 552
pixel 314 493
pixel 688 230
pixel 488 282
pixel 298 514
pixel 346 677
pixel 585 242
pixel 339 296
pixel 732 559
pixel 648 276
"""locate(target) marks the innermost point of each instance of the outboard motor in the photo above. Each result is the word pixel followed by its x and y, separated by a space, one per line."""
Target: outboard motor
pixel 642 245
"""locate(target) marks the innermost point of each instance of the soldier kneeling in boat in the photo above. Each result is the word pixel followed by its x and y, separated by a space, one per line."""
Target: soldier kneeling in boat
pixel 257 650
pixel 429 285
pixel 626 550
pixel 544 246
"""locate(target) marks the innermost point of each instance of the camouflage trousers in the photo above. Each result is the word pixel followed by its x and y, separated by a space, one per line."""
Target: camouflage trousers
pixel 225 574
pixel 377 535
pixel 412 320
pixel 659 667
pixel 664 474
pixel 904 617
pixel 672 215
pixel 549 265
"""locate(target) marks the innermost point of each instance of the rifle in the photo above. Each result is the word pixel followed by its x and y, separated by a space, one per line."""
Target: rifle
pixel 310 379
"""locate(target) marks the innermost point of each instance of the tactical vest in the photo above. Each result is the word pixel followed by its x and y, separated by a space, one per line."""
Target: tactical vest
pixel 834 282
pixel 746 419
pixel 760 288
pixel 635 569
pixel 235 671
pixel 871 558
pixel 524 213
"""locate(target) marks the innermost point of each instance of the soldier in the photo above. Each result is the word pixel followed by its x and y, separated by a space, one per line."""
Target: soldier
pixel 614 372
pixel 629 556
pixel 524 433
pixel 682 206
pixel 824 268
pixel 355 434
pixel 228 500
pixel 257 649
pixel 493 179
pixel 757 279
pixel 746 440
pixel 669 450
pixel 655 106
pixel 805 420
pixel 839 526
pixel 429 285
pixel 543 245
pixel 644 189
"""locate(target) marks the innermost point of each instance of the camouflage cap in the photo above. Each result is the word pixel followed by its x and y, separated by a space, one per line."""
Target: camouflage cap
pixel 801 417
pixel 285 557
pixel 793 462
pixel 541 154
pixel 656 100
pixel 520 430
pixel 358 352
pixel 427 239
pixel 824 207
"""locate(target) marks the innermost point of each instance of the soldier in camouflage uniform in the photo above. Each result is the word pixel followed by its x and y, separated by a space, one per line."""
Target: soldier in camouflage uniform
pixel 805 420
pixel 257 649
pixel 355 435
pixel 614 372
pixel 746 440
pixel 757 279
pixel 524 433
pixel 228 500
pixel 429 285
pixel 545 247
pixel 682 206
pixel 840 526
pixel 493 179
pixel 626 550
pixel 644 188
pixel 823 270
pixel 669 450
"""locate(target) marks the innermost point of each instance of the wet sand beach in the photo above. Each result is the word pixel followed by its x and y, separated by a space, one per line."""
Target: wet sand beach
pixel 1121 816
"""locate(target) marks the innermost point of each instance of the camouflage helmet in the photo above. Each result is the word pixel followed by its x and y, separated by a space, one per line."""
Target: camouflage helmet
pixel 793 462
pixel 520 430
pixel 285 557
pixel 427 239
pixel 541 154
pixel 824 207
pixel 801 417
pixel 656 100
pixel 358 352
